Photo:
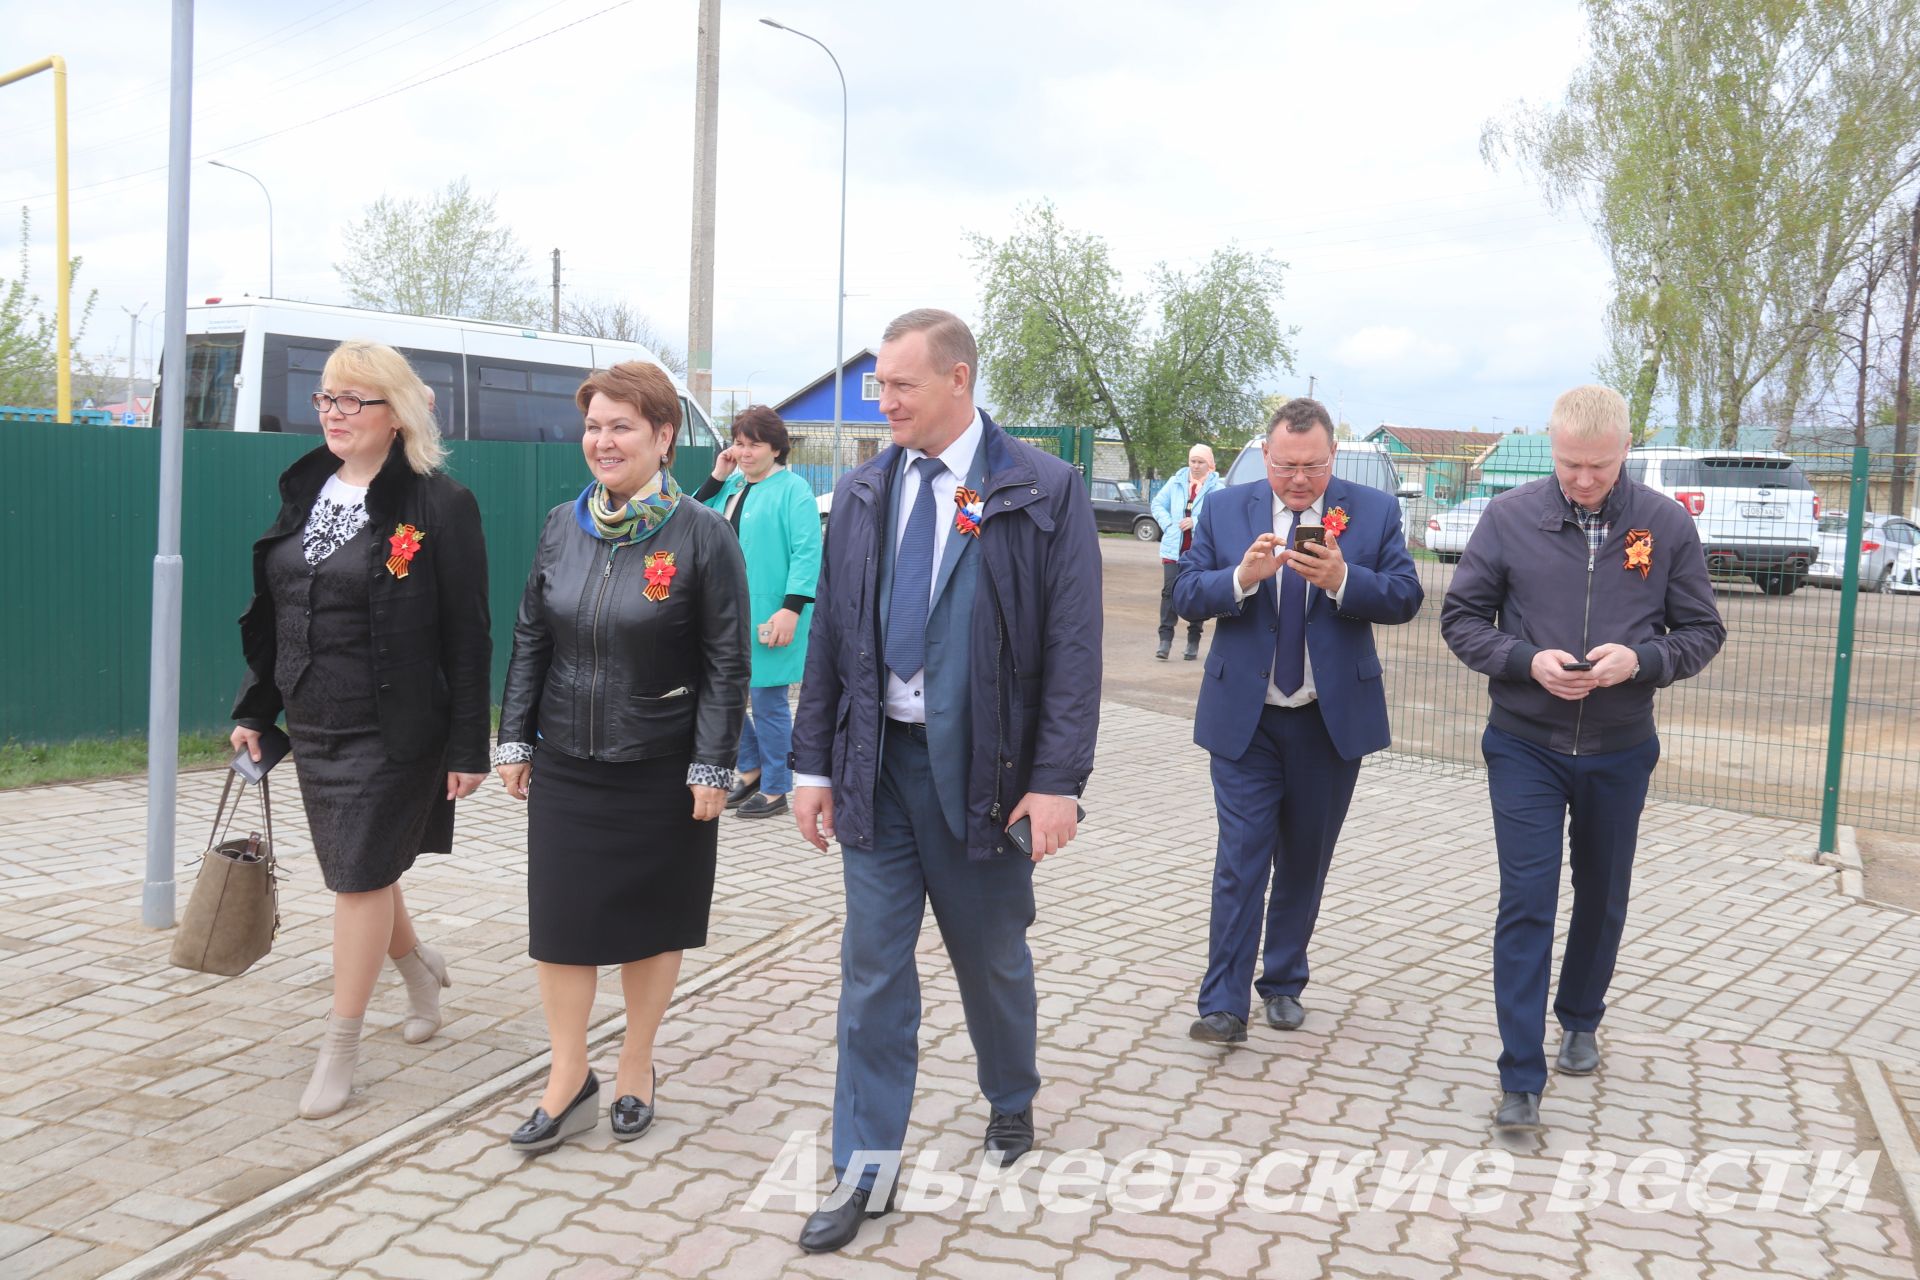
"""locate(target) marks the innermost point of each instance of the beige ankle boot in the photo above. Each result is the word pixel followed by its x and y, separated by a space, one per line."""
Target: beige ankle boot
pixel 425 973
pixel 333 1074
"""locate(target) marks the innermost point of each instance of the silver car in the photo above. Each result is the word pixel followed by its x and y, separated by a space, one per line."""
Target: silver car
pixel 1447 533
pixel 1882 540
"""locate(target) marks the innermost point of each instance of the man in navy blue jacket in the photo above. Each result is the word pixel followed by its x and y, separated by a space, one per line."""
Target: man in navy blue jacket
pixel 1291 700
pixel 952 690
pixel 1579 595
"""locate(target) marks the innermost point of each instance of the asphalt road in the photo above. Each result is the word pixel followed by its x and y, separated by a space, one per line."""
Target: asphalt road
pixel 1748 734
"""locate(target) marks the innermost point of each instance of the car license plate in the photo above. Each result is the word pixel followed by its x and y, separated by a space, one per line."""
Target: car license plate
pixel 1763 510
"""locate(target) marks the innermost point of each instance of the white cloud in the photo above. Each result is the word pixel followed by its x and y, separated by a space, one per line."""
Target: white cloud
pixel 1387 347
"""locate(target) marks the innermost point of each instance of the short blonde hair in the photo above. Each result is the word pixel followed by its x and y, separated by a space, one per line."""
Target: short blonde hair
pixel 1590 412
pixel 386 373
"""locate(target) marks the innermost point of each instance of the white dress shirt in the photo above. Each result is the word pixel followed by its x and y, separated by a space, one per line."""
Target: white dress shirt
pixel 1283 523
pixel 905 699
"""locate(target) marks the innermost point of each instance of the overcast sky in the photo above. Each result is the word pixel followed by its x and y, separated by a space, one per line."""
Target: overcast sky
pixel 1428 289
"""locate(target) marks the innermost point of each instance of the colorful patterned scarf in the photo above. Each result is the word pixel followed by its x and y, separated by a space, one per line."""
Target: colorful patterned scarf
pixel 643 514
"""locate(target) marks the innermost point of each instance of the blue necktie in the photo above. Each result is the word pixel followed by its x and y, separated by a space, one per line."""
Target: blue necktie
pixel 913 579
pixel 1290 649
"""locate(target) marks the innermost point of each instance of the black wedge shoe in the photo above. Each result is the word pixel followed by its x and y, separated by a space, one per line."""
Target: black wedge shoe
pixel 632 1117
pixel 543 1132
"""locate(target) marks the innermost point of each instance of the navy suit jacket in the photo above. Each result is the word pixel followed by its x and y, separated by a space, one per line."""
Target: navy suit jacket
pixel 1381 587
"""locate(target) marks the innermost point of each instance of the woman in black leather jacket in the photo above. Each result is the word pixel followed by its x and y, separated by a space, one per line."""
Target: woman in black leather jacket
pixel 618 727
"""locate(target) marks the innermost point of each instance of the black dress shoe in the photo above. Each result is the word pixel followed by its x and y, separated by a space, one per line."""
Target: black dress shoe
pixel 1193 650
pixel 1219 1028
pixel 1284 1013
pixel 1166 647
pixel 543 1132
pixel 742 792
pixel 837 1221
pixel 632 1117
pixel 762 806
pixel 1579 1054
pixel 1519 1113
pixel 1009 1135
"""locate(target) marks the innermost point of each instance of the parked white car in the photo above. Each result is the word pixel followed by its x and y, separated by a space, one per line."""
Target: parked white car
pixel 1882 540
pixel 1906 572
pixel 1447 533
pixel 1756 510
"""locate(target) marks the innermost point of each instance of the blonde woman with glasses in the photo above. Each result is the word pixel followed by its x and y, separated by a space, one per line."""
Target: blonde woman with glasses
pixel 369 629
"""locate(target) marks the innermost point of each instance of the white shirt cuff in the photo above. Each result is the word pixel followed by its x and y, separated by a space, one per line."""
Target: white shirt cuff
pixel 811 780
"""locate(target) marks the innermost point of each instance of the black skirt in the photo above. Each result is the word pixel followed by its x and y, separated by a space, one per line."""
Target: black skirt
pixel 617 868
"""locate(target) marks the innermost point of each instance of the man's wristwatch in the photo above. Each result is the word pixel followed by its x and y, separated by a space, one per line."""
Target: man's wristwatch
pixel 1635 673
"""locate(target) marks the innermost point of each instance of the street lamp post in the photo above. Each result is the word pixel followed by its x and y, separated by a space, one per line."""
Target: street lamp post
pixel 222 164
pixel 133 346
pixel 840 297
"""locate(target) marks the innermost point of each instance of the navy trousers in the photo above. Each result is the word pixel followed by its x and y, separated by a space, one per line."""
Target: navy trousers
pixel 983 909
pixel 1280 806
pixel 1538 795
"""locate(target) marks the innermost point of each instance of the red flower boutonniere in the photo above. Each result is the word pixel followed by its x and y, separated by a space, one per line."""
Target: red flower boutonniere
pixel 1335 521
pixel 971 509
pixel 405 544
pixel 660 573
pixel 1639 550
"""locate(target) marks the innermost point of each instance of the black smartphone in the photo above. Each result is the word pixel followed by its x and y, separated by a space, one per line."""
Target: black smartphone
pixel 1021 832
pixel 274 745
pixel 1309 533
pixel 1576 666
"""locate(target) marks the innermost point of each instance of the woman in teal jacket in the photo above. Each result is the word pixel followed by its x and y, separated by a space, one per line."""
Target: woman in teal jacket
pixel 773 511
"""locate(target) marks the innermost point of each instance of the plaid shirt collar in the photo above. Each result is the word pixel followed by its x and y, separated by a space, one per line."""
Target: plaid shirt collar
pixel 1593 523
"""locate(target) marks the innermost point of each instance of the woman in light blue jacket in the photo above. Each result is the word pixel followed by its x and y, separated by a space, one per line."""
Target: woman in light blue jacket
pixel 773 511
pixel 1177 509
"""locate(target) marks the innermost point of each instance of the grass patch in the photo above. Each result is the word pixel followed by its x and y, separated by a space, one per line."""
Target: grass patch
pixel 26 764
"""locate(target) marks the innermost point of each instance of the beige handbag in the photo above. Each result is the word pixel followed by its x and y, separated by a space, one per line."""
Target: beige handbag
pixel 235 909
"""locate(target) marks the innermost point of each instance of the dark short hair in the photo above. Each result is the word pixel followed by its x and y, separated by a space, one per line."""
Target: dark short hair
pixel 1300 414
pixel 644 386
pixel 763 426
pixel 949 341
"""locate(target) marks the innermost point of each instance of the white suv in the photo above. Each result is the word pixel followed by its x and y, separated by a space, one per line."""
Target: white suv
pixel 1355 461
pixel 1757 513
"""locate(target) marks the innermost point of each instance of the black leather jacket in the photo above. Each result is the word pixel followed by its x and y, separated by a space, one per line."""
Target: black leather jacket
pixel 602 672
pixel 432 642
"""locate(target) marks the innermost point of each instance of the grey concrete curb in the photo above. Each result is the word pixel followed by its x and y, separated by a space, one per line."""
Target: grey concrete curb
pixel 234 1221
pixel 1890 1120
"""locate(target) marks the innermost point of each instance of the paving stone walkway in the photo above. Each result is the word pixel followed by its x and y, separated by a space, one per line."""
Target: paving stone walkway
pixel 1755 1009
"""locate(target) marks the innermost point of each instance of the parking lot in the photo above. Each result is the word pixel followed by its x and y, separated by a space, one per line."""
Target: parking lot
pixel 1750 733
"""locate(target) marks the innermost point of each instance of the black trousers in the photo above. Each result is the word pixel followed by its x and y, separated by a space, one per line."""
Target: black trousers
pixel 1170 621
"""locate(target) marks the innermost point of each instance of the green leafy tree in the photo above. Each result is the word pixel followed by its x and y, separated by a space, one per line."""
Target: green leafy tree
pixel 448 255
pixel 1730 156
pixel 29 346
pixel 1062 340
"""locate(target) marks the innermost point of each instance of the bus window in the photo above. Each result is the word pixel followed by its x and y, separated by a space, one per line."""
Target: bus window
pixel 514 400
pixel 440 370
pixel 213 362
pixel 289 375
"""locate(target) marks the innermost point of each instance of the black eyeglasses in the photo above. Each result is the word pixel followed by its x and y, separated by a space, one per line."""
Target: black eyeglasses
pixel 348 405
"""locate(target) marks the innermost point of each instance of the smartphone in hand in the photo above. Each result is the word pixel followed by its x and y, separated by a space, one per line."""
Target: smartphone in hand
pixel 1309 533
pixel 1576 666
pixel 1021 832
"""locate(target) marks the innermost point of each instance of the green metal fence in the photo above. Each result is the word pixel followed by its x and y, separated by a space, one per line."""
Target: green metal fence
pixel 1757 731
pixel 77 523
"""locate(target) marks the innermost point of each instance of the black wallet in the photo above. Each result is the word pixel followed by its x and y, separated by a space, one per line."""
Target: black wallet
pixel 274 745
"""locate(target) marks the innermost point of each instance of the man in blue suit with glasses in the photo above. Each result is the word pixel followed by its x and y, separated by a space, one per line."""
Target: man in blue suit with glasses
pixel 1291 700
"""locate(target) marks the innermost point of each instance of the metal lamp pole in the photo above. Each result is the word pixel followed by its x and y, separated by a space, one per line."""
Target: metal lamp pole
pixel 133 346
pixel 840 297
pixel 222 164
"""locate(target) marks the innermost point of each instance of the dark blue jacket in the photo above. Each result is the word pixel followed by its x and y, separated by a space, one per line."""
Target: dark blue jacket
pixel 1529 581
pixel 1381 586
pixel 1034 636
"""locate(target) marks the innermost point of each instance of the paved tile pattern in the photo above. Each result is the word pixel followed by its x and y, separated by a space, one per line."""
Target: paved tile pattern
pixel 1745 972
